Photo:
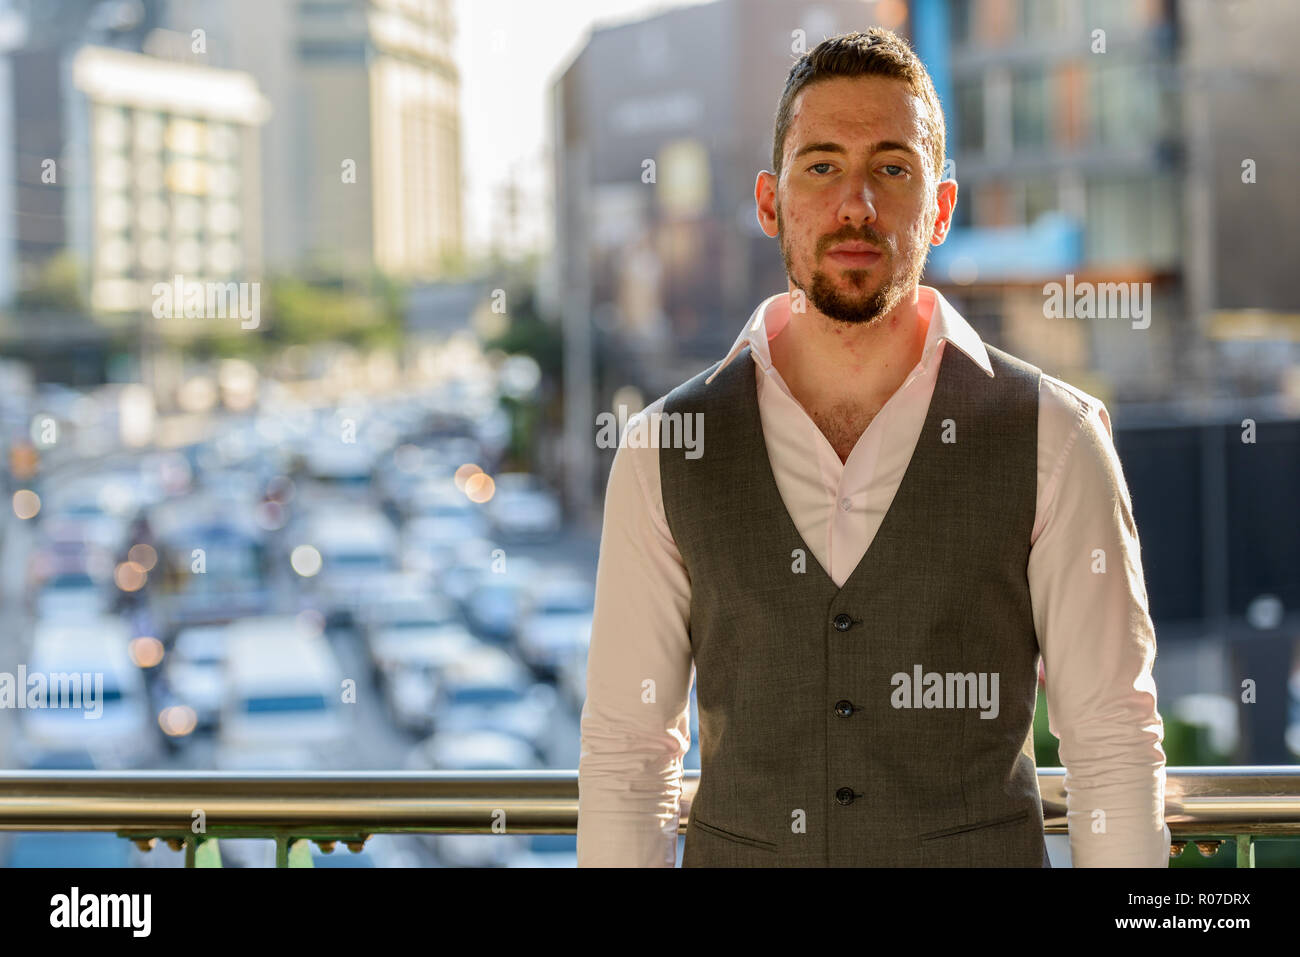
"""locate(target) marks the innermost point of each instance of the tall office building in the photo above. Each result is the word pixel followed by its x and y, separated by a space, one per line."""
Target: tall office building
pixel 168 175
pixel 362 153
pixel 36 43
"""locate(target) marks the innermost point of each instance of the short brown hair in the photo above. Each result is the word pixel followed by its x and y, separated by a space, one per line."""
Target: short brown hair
pixel 877 52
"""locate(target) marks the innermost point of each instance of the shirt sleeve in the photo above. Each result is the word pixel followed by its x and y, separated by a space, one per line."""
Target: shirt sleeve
pixel 635 720
pixel 1098 645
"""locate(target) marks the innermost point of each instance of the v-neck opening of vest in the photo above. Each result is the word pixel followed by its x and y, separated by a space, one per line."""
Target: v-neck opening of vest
pixel 903 486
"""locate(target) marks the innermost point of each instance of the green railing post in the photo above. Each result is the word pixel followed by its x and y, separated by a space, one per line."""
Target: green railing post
pixel 292 851
pixel 1245 850
pixel 202 852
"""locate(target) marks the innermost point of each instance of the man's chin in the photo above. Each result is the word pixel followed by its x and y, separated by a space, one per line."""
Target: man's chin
pixel 855 312
pixel 855 305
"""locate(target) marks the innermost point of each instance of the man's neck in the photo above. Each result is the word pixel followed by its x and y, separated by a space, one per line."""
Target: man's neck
pixel 829 364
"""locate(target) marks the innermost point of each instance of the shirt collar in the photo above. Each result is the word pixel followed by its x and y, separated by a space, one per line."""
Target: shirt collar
pixel 773 314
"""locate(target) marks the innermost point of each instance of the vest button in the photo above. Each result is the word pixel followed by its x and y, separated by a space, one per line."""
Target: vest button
pixel 843 708
pixel 843 622
pixel 844 795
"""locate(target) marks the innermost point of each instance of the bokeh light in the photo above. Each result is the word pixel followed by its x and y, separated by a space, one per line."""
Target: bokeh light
pixel 26 503
pixel 306 560
pixel 177 720
pixel 130 576
pixel 464 473
pixel 143 555
pixel 146 651
pixel 480 487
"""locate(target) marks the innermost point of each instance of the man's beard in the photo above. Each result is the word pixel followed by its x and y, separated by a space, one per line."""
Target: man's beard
pixel 828 299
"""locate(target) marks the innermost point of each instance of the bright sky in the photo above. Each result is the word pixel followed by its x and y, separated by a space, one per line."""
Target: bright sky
pixel 510 52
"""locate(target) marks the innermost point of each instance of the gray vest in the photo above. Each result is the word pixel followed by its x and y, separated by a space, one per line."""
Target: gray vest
pixel 818 745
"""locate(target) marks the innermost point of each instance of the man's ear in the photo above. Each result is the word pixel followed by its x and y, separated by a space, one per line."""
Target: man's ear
pixel 765 202
pixel 946 199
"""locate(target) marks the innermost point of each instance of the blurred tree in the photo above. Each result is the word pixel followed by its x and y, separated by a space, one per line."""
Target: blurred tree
pixel 57 287
pixel 365 312
pixel 334 309
pixel 528 333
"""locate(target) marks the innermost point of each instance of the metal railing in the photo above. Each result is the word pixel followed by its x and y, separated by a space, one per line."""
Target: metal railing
pixel 1206 806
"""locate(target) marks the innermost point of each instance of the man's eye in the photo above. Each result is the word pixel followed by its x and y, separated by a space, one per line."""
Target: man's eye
pixel 815 165
pixel 894 166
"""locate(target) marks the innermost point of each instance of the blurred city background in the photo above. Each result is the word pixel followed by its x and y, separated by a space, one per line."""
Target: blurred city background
pixel 308 309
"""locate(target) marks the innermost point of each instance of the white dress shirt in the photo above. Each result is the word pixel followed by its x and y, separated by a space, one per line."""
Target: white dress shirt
pixel 1094 628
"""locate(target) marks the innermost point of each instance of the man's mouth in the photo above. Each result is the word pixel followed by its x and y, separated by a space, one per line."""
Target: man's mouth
pixel 854 255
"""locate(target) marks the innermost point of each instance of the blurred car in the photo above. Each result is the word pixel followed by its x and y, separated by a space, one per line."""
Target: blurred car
pixel 68 759
pixel 398 474
pixel 487 690
pixel 473 559
pixel 406 473
pixel 194 672
pixel 212 562
pixel 282 691
pixel 95 695
pixel 557 621
pixel 523 509
pixel 440 498
pixel 448 454
pixel 440 514
pixel 409 696
pixel 238 757
pixel 548 850
pixel 331 460
pixel 71 593
pixel 242 486
pixel 99 505
pixel 391 590
pixel 571 677
pixel 67 849
pixel 427 548
pixel 410 640
pixel 495 606
pixel 358 547
pixel 68 576
pixel 393 626
pixel 474 751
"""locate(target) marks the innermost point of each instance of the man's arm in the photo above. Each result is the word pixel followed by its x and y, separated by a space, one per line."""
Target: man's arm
pixel 1098 645
pixel 635 722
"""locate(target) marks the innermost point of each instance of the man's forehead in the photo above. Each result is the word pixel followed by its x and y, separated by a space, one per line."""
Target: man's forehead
pixel 835 111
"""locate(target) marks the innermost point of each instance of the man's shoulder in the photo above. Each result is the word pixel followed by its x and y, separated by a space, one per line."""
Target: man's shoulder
pixel 1072 423
pixel 707 383
pixel 1065 411
pixel 634 451
pixel 1054 393
pixel 1068 400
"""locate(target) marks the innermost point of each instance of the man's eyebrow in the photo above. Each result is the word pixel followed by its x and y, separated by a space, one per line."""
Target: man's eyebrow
pixel 829 147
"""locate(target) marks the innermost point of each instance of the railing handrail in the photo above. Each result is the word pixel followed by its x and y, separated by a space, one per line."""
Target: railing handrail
pixel 1259 800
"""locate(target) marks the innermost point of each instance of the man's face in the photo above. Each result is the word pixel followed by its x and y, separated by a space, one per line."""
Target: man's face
pixel 856 169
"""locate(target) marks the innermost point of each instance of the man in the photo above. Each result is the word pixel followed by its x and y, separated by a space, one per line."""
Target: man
pixel 889 523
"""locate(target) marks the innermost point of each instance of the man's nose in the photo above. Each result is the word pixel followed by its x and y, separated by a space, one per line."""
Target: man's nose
pixel 858 206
